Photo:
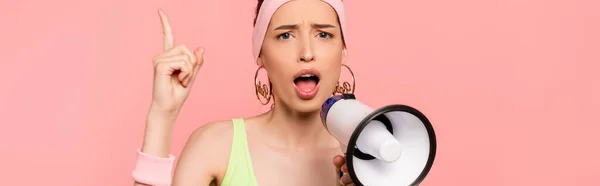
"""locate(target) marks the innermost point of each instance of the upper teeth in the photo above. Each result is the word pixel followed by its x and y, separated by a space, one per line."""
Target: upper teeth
pixel 307 75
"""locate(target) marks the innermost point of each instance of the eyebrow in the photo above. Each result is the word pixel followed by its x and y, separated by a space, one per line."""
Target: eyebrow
pixel 317 26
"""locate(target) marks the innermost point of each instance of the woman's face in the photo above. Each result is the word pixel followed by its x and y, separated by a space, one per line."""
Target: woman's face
pixel 302 52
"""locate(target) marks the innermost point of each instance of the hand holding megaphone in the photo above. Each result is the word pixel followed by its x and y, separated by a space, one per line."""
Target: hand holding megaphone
pixel 392 146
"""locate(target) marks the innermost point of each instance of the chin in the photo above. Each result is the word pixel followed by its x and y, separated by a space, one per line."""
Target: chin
pixel 307 106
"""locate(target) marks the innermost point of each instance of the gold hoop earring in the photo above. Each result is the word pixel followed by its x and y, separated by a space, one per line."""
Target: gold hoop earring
pixel 345 88
pixel 261 89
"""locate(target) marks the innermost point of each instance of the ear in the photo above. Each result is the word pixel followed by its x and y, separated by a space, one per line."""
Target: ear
pixel 259 61
pixel 344 55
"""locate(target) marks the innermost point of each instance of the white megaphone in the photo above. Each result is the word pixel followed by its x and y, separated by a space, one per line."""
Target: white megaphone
pixel 391 146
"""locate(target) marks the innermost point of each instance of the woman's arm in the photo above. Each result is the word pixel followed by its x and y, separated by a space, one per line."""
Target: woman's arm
pixel 205 155
pixel 154 164
pixel 157 136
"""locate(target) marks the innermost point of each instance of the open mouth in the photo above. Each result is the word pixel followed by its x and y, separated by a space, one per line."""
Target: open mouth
pixel 307 83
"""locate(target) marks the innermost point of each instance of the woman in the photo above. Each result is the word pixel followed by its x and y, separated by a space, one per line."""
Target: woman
pixel 301 46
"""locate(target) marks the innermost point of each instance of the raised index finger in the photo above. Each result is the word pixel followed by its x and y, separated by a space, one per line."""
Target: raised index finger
pixel 168 35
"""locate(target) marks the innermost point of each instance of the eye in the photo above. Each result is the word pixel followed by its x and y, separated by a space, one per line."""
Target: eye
pixel 325 35
pixel 284 36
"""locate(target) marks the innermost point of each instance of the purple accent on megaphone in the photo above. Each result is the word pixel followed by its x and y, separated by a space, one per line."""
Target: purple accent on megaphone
pixel 326 106
pixel 329 103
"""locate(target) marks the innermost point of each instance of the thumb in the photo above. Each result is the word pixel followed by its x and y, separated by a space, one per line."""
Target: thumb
pixel 199 53
pixel 339 161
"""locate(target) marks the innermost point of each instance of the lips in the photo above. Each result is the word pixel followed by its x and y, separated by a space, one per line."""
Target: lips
pixel 306 83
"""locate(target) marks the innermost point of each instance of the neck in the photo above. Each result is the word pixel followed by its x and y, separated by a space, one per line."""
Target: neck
pixel 294 129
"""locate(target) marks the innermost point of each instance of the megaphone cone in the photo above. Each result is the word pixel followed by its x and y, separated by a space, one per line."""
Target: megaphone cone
pixel 392 146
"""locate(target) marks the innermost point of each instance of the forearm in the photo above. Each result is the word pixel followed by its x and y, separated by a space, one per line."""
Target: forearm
pixel 157 138
pixel 158 133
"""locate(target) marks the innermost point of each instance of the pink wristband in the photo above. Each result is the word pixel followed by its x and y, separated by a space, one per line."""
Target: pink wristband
pixel 153 170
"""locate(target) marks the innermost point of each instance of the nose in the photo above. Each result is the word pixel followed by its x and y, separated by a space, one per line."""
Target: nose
pixel 306 51
pixel 307 57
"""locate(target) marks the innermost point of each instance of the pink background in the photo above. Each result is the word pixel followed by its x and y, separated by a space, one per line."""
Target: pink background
pixel 512 87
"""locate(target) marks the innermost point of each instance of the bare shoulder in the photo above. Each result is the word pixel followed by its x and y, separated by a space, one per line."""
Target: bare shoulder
pixel 206 153
pixel 216 133
pixel 212 140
